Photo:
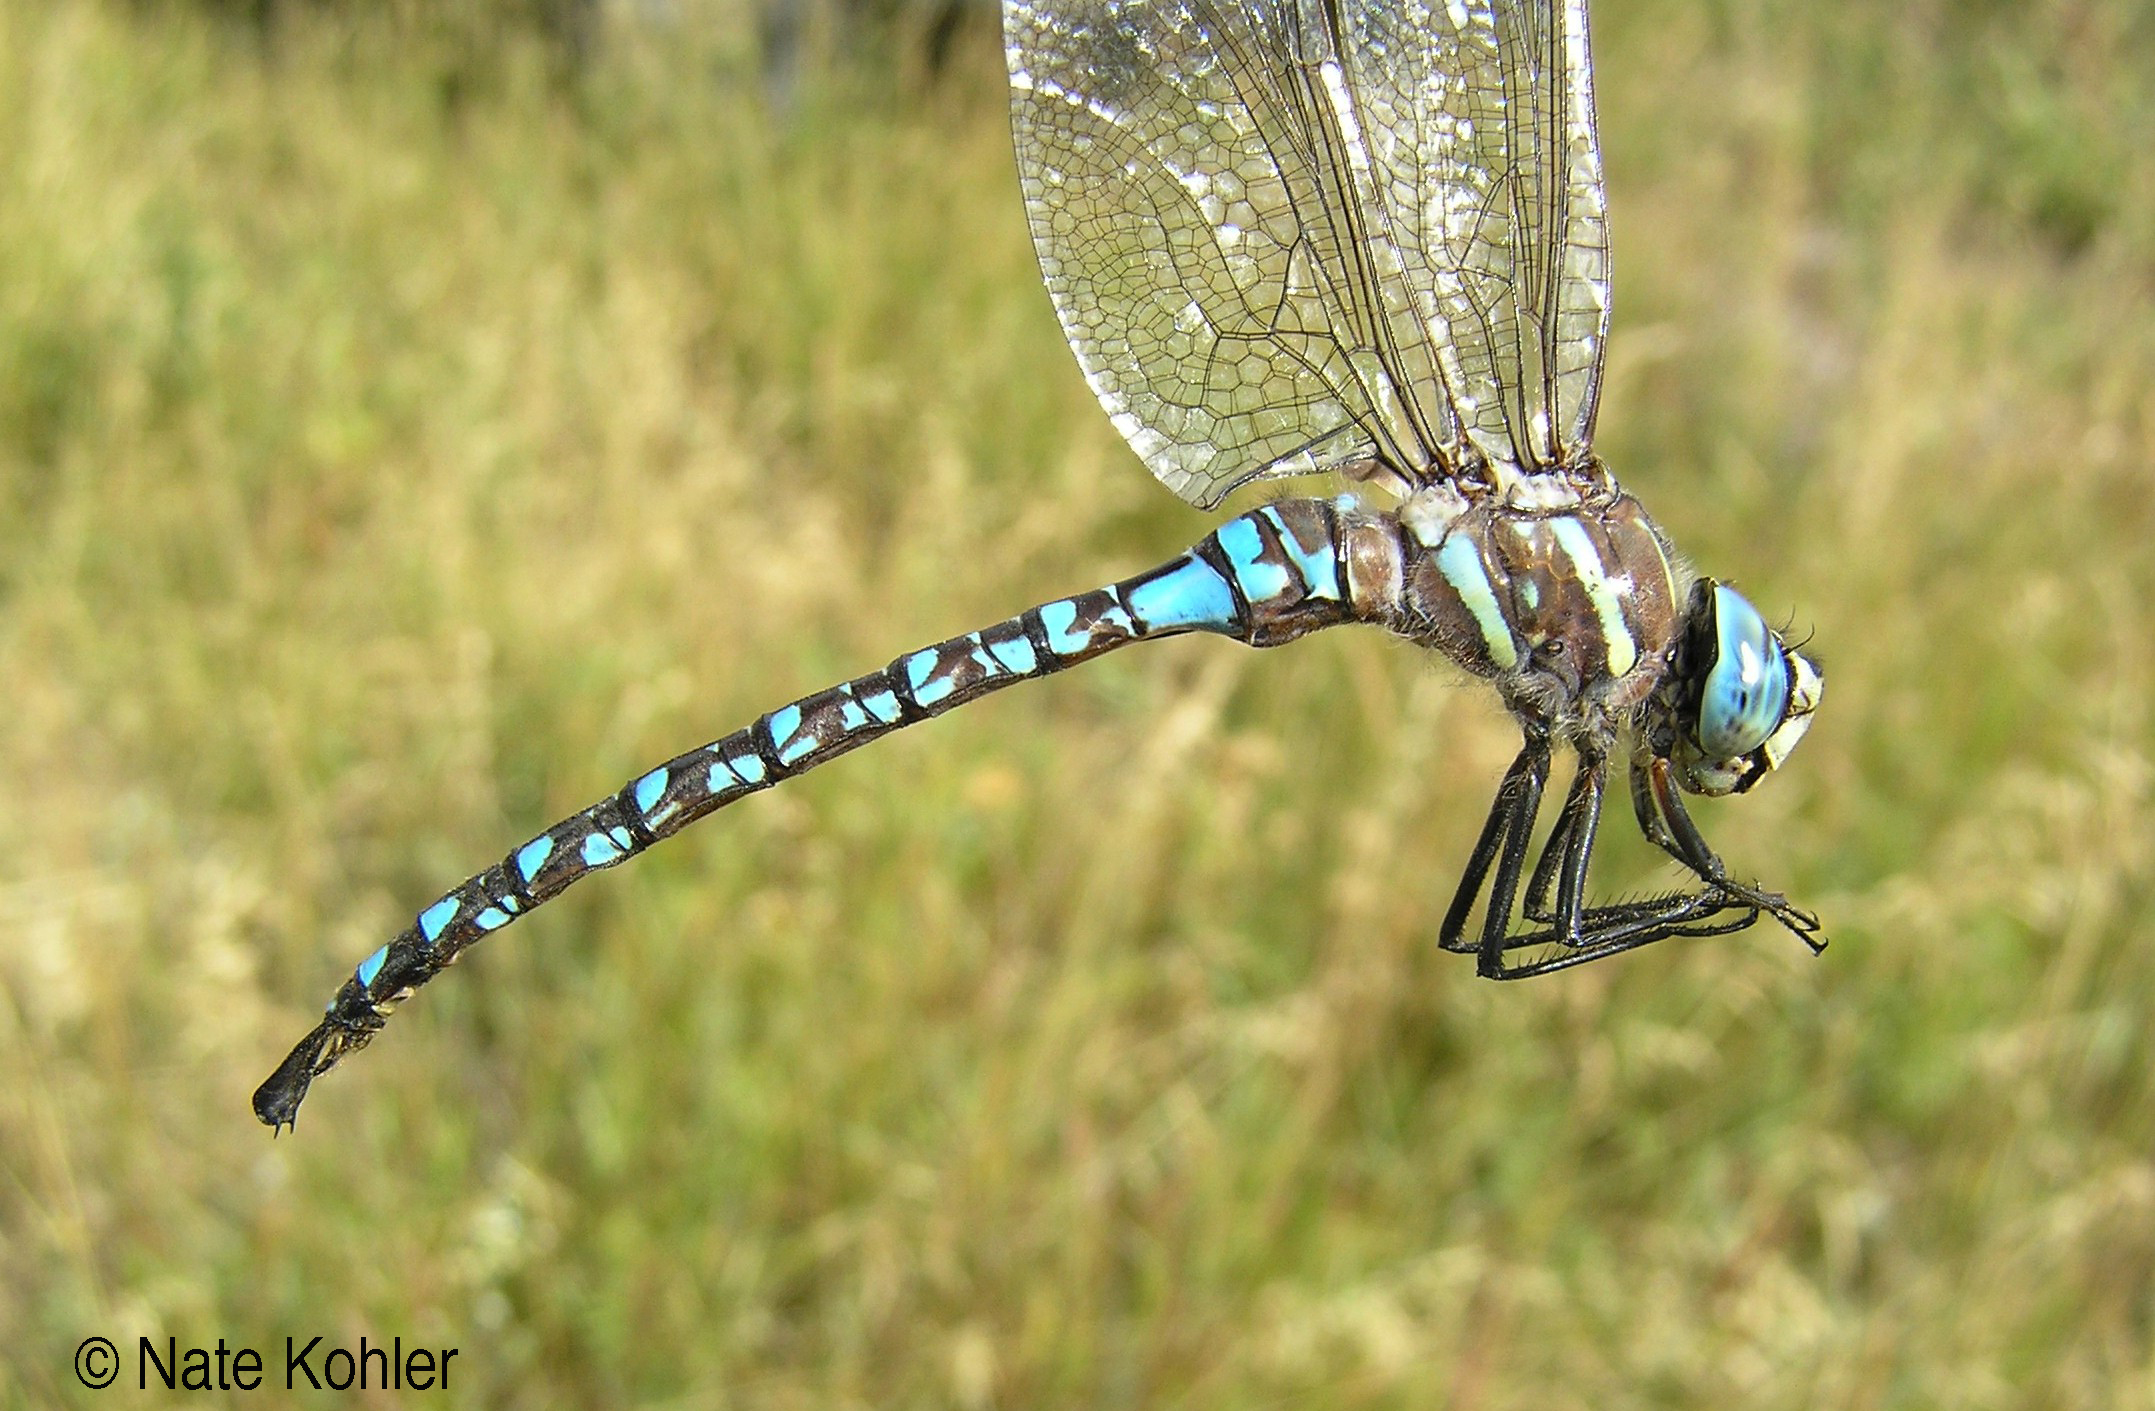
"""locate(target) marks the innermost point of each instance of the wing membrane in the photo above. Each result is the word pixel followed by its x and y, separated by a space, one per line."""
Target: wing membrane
pixel 1290 235
pixel 1491 107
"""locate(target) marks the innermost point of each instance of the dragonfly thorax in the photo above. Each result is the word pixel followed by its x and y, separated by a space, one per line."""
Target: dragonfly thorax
pixel 1569 605
pixel 1594 632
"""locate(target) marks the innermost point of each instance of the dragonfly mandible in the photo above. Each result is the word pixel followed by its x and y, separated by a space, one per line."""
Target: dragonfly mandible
pixel 1357 238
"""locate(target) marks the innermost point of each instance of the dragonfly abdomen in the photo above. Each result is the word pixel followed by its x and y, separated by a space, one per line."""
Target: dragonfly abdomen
pixel 1265 578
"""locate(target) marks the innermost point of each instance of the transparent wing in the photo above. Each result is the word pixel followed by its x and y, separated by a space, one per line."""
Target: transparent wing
pixel 1210 231
pixel 1283 237
pixel 1490 114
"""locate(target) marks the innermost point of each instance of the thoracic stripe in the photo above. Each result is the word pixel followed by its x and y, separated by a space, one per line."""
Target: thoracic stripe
pixel 1594 577
pixel 1461 564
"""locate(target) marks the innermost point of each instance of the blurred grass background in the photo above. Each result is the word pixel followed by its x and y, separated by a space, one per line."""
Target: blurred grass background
pixel 410 429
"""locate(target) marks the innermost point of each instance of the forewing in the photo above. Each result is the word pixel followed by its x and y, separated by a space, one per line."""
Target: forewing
pixel 1487 115
pixel 1285 236
pixel 1220 246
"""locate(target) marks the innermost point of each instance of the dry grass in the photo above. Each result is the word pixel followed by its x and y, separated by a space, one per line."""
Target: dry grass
pixel 389 466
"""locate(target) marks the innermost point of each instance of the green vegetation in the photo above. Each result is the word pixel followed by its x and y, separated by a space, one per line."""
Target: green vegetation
pixel 391 464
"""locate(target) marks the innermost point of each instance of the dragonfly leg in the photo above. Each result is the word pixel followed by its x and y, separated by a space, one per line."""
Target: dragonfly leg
pixel 1535 904
pixel 1654 793
pixel 1612 930
pixel 1565 856
pixel 1512 798
pixel 1578 932
pixel 1722 906
pixel 1503 844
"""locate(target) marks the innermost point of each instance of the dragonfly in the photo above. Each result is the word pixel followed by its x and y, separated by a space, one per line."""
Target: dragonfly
pixel 1362 239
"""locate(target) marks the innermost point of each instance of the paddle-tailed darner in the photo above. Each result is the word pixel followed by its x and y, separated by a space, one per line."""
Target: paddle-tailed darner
pixel 1357 237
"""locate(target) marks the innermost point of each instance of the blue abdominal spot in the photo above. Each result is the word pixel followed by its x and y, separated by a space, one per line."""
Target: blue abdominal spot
pixel 372 966
pixel 1191 594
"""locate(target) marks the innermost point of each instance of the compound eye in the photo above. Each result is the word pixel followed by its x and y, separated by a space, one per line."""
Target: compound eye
pixel 1746 692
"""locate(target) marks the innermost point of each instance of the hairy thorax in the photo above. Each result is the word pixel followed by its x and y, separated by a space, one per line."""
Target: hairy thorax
pixel 1567 602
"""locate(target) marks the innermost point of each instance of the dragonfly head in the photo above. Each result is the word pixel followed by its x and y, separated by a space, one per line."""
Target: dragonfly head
pixel 1740 698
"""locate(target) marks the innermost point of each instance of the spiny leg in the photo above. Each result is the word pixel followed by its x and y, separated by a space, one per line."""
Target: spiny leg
pixel 1502 845
pixel 1511 796
pixel 1655 797
pixel 1511 861
pixel 1719 908
pixel 1595 933
pixel 1565 856
pixel 1568 854
pixel 1631 926
pixel 1535 905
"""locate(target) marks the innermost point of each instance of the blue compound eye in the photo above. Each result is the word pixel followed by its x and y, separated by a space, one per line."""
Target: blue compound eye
pixel 1746 692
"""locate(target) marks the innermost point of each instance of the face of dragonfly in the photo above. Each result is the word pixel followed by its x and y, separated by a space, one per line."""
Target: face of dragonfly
pixel 1742 697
